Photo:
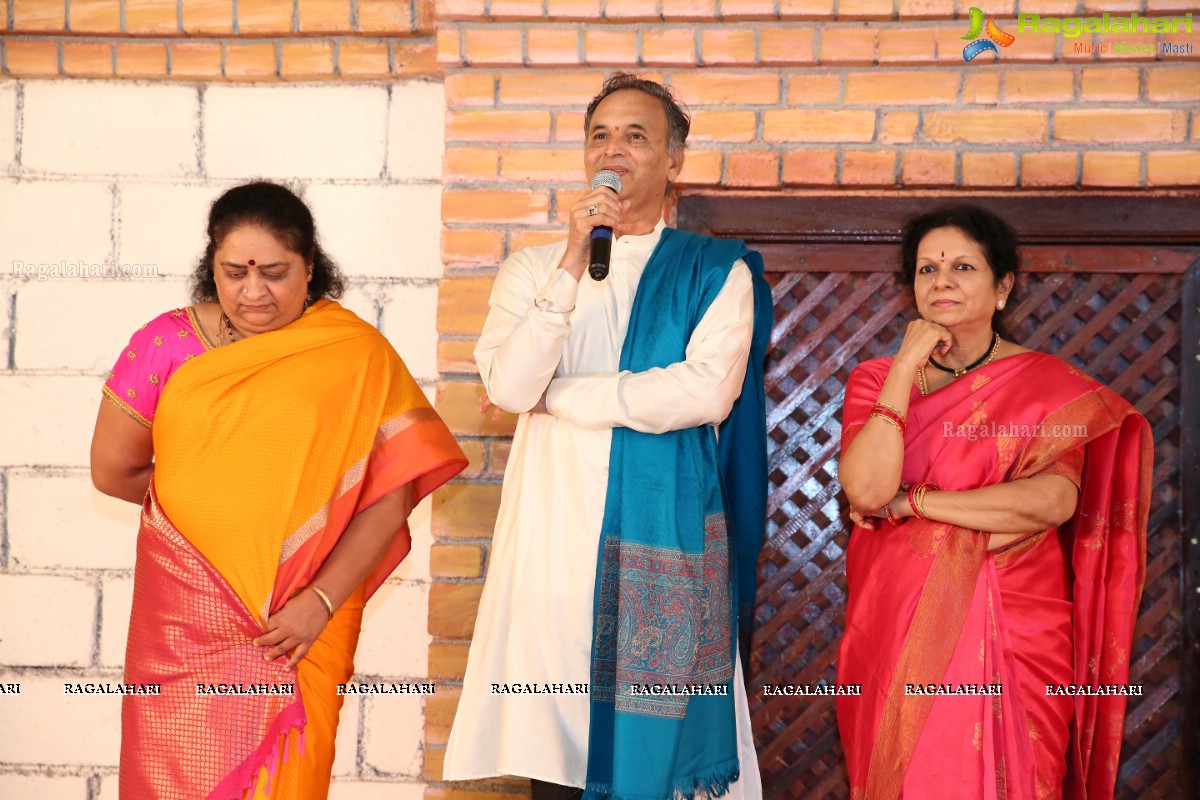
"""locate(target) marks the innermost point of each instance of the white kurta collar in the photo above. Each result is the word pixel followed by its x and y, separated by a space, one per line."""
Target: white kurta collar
pixel 646 241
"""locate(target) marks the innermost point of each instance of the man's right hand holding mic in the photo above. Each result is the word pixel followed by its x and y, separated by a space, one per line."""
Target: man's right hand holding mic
pixel 599 208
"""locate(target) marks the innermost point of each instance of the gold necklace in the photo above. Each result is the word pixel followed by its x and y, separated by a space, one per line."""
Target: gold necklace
pixel 226 331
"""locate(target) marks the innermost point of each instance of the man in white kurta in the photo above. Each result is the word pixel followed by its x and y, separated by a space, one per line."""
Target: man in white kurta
pixel 550 350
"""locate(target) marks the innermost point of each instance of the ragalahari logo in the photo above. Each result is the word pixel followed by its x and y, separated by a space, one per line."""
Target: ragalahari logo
pixel 995 36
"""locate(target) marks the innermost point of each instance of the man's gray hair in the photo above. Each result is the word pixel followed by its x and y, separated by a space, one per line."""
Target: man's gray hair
pixel 679 122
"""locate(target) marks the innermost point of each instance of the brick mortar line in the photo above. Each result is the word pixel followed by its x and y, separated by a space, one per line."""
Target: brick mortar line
pixel 11 361
pixel 389 99
pixel 75 573
pixel 57 672
pixel 98 621
pixel 34 769
pixel 114 233
pixel 224 38
pixel 4 548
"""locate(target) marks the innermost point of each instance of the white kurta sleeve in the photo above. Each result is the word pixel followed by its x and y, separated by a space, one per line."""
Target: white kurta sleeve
pixel 522 340
pixel 700 390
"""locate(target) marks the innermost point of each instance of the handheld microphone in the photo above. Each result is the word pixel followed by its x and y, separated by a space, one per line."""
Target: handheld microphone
pixel 602 234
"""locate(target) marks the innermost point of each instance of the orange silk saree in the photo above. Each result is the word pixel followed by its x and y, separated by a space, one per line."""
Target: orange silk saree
pixel 265 451
pixel 934 621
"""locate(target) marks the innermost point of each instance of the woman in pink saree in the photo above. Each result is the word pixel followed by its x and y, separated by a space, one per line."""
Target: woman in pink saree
pixel 996 568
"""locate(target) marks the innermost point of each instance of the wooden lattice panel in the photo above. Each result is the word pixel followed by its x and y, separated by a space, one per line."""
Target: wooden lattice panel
pixel 1124 329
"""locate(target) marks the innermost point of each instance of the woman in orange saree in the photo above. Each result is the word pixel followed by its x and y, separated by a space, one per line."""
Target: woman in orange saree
pixel 289 444
pixel 995 573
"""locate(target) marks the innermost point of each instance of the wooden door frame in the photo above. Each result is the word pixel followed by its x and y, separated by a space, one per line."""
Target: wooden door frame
pixel 804 226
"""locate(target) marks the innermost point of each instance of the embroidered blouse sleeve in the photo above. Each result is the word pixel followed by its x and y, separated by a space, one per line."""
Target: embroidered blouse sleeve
pixel 700 390
pixel 527 325
pixel 136 380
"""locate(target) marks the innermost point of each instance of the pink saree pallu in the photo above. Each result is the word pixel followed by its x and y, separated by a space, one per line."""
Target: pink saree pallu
pixel 966 657
pixel 206 650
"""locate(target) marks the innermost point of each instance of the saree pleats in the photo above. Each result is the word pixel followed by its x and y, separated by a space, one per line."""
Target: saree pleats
pixel 265 452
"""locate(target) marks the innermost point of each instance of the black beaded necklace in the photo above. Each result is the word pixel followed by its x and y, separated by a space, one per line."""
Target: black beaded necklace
pixel 983 359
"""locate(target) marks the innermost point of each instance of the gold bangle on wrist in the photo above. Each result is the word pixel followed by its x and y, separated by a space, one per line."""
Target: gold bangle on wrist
pixel 324 599
pixel 890 407
pixel 888 419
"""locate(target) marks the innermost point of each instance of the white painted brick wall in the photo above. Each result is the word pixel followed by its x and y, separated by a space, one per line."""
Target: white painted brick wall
pixel 110 312
pixel 345 757
pixel 8 124
pixel 392 745
pixel 163 224
pixel 8 290
pixel 109 788
pixel 136 190
pixel 58 520
pixel 360 297
pixel 43 787
pixel 376 790
pixel 380 230
pixel 293 132
pixel 55 624
pixel 110 128
pixel 89 739
pixel 116 601
pixel 407 311
pixel 415 566
pixel 55 221
pixel 416 133
pixel 48 419
pixel 394 639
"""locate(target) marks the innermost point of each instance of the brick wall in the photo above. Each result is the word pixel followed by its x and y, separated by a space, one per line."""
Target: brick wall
pixel 827 96
pixel 819 97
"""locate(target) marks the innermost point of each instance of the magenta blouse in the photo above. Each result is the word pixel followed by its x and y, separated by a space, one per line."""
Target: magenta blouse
pixel 154 352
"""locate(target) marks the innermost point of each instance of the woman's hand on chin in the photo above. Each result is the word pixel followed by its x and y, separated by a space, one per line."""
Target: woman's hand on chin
pixel 922 339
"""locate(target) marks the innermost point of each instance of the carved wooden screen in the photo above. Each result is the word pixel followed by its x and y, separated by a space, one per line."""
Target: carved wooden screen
pixel 1101 287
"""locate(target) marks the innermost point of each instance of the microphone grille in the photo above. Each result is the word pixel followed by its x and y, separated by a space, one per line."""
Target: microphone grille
pixel 606 177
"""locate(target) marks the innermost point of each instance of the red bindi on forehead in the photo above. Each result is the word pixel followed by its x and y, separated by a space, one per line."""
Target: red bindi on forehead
pixel 251 262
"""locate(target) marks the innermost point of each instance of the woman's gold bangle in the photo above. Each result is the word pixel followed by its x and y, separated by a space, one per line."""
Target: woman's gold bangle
pixel 890 407
pixel 324 599
pixel 890 421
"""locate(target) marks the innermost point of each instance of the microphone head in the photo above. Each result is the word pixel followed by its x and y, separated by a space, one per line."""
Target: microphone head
pixel 606 177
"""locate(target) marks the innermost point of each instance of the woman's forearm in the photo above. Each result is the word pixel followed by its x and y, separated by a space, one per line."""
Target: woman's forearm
pixel 1021 506
pixel 364 543
pixel 130 487
pixel 870 469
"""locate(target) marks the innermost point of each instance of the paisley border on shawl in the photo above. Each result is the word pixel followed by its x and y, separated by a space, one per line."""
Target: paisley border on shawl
pixel 668 623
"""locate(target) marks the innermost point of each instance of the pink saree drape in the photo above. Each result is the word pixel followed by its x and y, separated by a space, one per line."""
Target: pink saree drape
pixel 930 607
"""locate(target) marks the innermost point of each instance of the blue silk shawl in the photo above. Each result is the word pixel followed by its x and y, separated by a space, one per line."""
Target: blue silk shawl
pixel 683 525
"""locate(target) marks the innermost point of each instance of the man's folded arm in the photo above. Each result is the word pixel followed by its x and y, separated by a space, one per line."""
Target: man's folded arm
pixel 700 390
pixel 523 338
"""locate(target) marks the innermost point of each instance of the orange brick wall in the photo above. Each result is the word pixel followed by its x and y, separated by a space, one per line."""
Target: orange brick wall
pixel 203 40
pixel 815 97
